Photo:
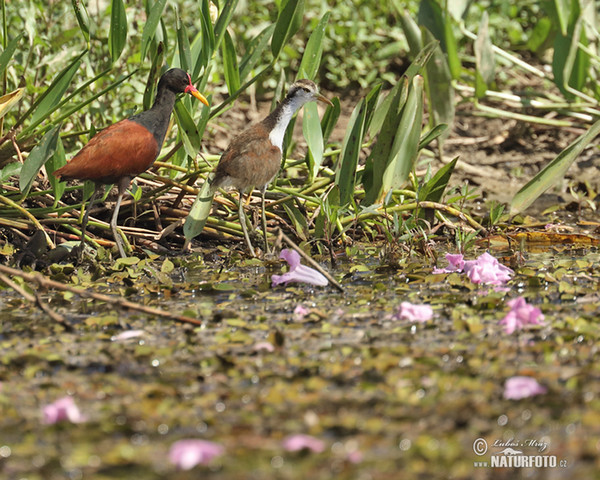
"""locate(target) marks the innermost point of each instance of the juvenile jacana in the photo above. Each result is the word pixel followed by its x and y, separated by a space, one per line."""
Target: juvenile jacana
pixel 127 148
pixel 253 158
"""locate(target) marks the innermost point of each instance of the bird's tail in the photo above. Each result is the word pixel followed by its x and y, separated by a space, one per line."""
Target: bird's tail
pixel 196 219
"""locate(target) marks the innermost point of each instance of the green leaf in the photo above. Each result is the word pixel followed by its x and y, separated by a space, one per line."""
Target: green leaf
pixel 57 160
pixel 37 158
pixel 484 54
pixel 439 88
pixel 183 44
pixel 10 170
pixel 311 127
pixel 187 128
pixel 117 34
pixel 9 100
pixel 230 67
pixel 44 104
pixel 9 51
pixel 554 172
pixel 311 60
pixel 196 219
pixel 434 188
pixel 406 142
pixel 151 25
pixel 288 23
pixel 330 118
pixel 153 76
pixel 223 21
pixel 345 177
pixel 83 18
pixel 254 51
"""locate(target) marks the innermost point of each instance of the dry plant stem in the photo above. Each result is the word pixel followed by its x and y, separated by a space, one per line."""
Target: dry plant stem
pixel 315 265
pixel 38 301
pixel 42 281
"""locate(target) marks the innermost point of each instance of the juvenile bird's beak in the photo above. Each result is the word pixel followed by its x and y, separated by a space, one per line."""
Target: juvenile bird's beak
pixel 323 99
pixel 194 91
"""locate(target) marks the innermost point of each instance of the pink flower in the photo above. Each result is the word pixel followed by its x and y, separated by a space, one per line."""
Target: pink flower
pixel 126 335
pixel 297 272
pixel 486 269
pixel 267 346
pixel 300 312
pixel 63 409
pixel 414 313
pixel 186 454
pixel 355 456
pixel 299 441
pixel 517 388
pixel 520 315
pixel 456 263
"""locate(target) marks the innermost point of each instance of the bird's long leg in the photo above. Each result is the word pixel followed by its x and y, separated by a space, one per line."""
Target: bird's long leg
pixel 263 217
pixel 97 191
pixel 122 186
pixel 242 218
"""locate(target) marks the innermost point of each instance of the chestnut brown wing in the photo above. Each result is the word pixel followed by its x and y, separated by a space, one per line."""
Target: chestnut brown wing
pixel 124 149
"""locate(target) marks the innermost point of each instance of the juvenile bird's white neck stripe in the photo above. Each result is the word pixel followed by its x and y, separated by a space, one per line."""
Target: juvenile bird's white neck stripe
pixel 285 115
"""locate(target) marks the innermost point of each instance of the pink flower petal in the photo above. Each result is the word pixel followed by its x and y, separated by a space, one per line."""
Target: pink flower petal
pixel 414 313
pixel 300 312
pixel 456 263
pixel 299 441
pixel 298 272
pixel 63 409
pixel 186 454
pixel 267 346
pixel 520 387
pixel 520 315
pixel 486 269
pixel 126 335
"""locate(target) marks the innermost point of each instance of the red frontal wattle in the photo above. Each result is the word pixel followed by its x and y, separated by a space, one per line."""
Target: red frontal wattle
pixel 124 149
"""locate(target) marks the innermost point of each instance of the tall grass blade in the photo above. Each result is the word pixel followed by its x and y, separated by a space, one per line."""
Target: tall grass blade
pixel 151 25
pixel 552 173
pixel 57 160
pixel 311 59
pixel 37 158
pixel 255 50
pixel 8 52
pixel 83 18
pixel 311 127
pixel 288 23
pixel 230 66
pixel 117 34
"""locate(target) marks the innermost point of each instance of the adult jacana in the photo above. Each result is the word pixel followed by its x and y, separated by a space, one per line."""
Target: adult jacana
pixel 127 148
pixel 253 158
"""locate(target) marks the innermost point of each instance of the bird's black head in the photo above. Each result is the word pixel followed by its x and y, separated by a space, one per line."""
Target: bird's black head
pixel 179 81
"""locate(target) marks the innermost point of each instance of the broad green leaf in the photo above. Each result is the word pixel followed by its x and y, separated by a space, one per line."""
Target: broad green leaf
pixel 37 158
pixel 44 104
pixel 10 170
pixel 434 188
pixel 406 142
pixel 439 88
pixel 187 128
pixel 297 219
pixel 183 44
pixel 153 76
pixel 330 118
pixel 10 100
pixel 563 12
pixel 288 23
pixel 311 59
pixel 311 127
pixel 230 66
pixel 83 19
pixel 196 219
pixel 57 160
pixel 254 51
pixel 411 30
pixel 554 172
pixel 223 21
pixel 117 34
pixel 9 51
pixel 151 25
pixel 484 54
pixel 451 51
pixel 345 177
pixel 432 134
